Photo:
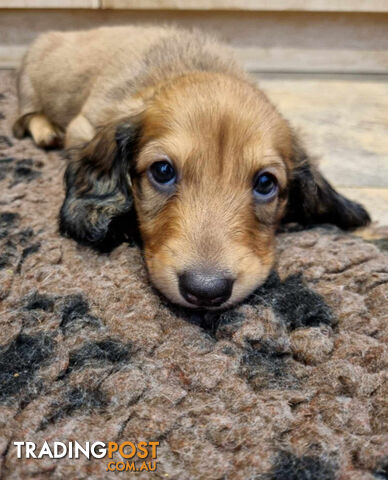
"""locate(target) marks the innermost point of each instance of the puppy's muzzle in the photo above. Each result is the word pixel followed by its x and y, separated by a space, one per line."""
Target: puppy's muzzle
pixel 205 289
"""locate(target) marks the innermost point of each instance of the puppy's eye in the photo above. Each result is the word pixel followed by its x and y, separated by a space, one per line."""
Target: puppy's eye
pixel 265 187
pixel 162 174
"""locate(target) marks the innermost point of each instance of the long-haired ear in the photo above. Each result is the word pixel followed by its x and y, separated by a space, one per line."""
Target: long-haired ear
pixel 313 200
pixel 98 207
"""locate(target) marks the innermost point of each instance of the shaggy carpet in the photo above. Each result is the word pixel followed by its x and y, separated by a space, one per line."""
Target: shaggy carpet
pixel 290 385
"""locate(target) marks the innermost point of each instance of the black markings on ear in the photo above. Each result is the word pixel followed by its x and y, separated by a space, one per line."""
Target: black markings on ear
pixel 312 200
pixel 98 208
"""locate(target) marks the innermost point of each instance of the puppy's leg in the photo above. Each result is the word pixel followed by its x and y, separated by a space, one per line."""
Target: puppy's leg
pixel 44 133
pixel 79 132
pixel 30 119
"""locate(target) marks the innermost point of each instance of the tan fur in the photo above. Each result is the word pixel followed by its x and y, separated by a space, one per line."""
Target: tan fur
pixel 212 221
pixel 67 74
pixel 194 105
pixel 43 131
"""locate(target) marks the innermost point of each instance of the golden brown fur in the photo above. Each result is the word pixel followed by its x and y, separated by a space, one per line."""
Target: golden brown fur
pixel 131 96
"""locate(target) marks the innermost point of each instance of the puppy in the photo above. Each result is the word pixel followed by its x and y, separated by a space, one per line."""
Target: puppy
pixel 166 130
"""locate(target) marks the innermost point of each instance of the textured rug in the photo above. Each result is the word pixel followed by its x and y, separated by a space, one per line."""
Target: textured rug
pixel 290 385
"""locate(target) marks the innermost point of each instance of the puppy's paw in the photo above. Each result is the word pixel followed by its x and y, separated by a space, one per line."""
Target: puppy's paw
pixel 47 139
pixel 43 132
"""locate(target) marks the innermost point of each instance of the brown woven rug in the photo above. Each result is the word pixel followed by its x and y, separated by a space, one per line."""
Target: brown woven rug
pixel 290 385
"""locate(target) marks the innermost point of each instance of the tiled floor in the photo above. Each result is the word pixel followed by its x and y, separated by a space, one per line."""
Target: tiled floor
pixel 343 120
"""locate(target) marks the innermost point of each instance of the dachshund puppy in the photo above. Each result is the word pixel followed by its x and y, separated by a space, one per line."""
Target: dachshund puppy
pixel 166 130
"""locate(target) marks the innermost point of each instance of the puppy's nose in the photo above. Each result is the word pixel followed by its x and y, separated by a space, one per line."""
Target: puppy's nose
pixel 205 289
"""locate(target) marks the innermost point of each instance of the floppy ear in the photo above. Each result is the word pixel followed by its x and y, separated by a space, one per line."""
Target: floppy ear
pixel 313 200
pixel 98 207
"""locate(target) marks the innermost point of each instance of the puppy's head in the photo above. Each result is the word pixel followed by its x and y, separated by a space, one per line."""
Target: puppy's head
pixel 211 168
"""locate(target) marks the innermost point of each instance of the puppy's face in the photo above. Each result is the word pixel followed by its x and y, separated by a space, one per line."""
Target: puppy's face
pixel 210 185
pixel 211 168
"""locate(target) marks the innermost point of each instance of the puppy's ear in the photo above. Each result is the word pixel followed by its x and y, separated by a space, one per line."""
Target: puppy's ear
pixel 98 207
pixel 313 200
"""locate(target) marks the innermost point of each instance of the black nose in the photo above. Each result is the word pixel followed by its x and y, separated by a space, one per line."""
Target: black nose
pixel 205 289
